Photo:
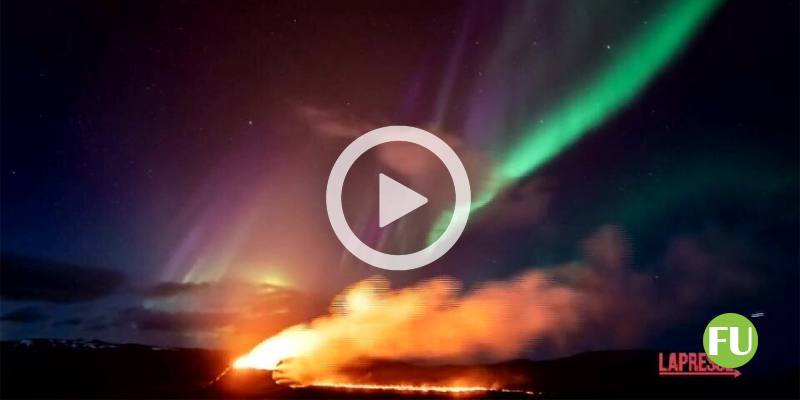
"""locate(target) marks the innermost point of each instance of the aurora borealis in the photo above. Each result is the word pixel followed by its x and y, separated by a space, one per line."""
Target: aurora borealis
pixel 174 157
pixel 611 88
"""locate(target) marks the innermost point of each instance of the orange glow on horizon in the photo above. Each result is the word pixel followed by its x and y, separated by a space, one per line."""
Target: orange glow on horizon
pixel 423 389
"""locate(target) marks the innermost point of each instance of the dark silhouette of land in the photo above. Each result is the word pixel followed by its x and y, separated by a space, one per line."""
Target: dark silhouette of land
pixel 92 369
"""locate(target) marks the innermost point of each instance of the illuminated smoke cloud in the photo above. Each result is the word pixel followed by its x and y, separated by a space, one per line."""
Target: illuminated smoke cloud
pixel 562 307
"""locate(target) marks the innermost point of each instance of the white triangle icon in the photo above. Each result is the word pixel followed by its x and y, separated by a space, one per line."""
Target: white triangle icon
pixel 395 200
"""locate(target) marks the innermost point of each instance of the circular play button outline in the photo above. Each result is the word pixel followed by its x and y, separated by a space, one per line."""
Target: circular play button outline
pixel 398 133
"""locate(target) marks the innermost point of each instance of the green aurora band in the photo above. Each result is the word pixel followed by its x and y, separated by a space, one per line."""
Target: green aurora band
pixel 611 89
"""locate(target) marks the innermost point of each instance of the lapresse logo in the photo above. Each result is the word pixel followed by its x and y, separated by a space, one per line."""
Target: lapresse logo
pixel 730 340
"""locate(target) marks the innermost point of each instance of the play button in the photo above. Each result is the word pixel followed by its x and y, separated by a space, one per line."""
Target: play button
pixel 395 200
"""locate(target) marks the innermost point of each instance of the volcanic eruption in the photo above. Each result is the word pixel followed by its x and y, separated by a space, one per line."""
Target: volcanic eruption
pixel 435 322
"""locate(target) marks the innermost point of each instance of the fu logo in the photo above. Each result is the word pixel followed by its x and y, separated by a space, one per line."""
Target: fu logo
pixel 730 340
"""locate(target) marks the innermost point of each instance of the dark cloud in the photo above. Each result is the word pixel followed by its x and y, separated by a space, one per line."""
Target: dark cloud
pixel 100 324
pixel 229 313
pixel 171 289
pixel 69 322
pixel 25 315
pixel 223 296
pixel 522 205
pixel 157 320
pixel 619 303
pixel 30 279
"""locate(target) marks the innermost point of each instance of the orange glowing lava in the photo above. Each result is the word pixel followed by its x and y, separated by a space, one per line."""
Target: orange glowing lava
pixel 432 389
pixel 293 342
pixel 403 388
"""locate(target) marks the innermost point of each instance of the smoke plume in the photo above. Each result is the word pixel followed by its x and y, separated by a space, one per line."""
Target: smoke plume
pixel 563 307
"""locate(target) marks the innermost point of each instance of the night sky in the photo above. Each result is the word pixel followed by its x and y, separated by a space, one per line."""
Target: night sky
pixel 164 164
